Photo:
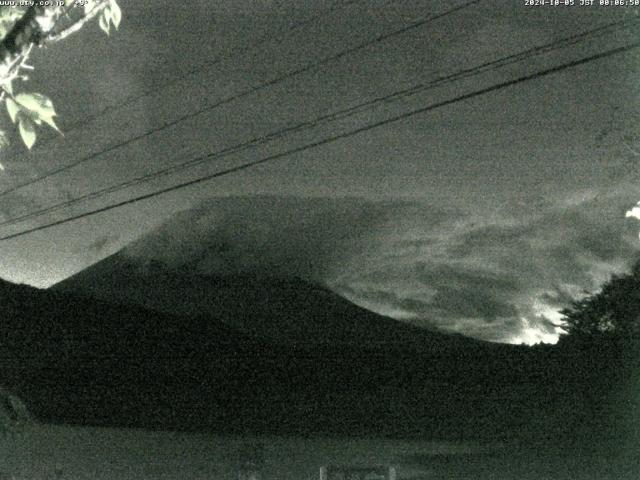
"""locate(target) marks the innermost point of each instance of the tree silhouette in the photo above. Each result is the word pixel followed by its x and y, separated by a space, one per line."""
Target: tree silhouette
pixel 613 313
pixel 598 363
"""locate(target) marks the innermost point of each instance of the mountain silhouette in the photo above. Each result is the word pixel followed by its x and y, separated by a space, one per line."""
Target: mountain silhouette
pixel 283 310
pixel 79 360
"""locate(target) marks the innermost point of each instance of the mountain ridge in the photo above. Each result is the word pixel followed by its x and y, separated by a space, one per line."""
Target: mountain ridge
pixel 77 360
pixel 289 310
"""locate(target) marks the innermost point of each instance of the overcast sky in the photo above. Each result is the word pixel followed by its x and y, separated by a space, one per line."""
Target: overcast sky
pixel 479 217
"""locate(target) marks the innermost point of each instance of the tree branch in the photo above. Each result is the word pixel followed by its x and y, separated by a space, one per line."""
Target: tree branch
pixel 75 26
pixel 35 28
pixel 25 32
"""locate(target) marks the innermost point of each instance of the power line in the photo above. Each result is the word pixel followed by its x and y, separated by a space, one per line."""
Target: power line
pixel 334 138
pixel 307 68
pixel 193 71
pixel 337 115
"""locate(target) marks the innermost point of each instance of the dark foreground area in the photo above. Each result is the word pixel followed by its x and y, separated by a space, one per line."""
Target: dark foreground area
pixel 50 451
pixel 560 409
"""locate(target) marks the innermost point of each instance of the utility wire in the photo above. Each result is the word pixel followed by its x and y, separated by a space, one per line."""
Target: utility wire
pixel 334 138
pixel 307 68
pixel 334 116
pixel 267 37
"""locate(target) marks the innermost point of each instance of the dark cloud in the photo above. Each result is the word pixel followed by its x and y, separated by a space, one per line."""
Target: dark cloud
pixel 98 246
pixel 471 303
pixel 506 280
pixel 491 237
pixel 464 277
pixel 559 297
pixel 500 279
pixel 280 235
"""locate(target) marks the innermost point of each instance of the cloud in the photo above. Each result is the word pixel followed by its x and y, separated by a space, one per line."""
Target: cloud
pixel 98 246
pixel 634 212
pixel 471 302
pixel 502 278
pixel 309 238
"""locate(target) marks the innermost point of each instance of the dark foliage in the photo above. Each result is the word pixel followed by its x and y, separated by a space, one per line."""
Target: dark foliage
pixel 611 315
pixel 599 362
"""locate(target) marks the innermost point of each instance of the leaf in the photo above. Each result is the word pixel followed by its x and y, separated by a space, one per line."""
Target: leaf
pixel 89 6
pixel 9 14
pixel 8 87
pixel 40 108
pixel 51 122
pixel 36 102
pixel 13 109
pixel 104 20
pixel 27 131
pixel 116 13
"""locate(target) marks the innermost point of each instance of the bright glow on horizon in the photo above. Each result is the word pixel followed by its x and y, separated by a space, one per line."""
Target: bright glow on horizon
pixel 530 335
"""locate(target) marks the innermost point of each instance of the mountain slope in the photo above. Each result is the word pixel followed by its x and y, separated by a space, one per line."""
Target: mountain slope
pixel 287 310
pixel 83 361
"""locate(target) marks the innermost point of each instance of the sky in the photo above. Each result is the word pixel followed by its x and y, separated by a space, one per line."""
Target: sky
pixel 483 217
